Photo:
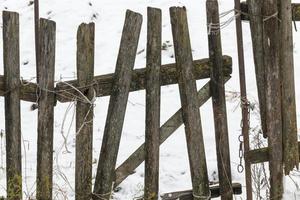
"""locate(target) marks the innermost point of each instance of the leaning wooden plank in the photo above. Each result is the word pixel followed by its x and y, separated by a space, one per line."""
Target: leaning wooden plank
pixel 188 96
pixel 218 99
pixel 166 130
pixel 45 109
pixel 295 11
pixel 12 83
pixel 273 97
pixel 103 83
pixel 256 24
pixel 289 116
pixel 117 106
pixel 152 104
pixel 188 194
pixel 84 112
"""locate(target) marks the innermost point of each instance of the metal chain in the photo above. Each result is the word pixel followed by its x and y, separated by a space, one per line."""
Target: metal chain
pixel 244 104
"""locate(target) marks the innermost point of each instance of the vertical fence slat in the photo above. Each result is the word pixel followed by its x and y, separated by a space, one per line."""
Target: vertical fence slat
pixel 256 24
pixel 117 106
pixel 152 104
pixel 289 116
pixel 218 100
pixel 84 112
pixel 244 100
pixel 12 104
pixel 273 97
pixel 188 96
pixel 46 104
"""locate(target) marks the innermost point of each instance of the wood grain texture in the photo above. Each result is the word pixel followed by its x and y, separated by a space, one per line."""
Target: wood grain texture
pixel 84 112
pixel 103 83
pixel 188 96
pixel 256 25
pixel 188 194
pixel 289 116
pixel 11 58
pixel 117 106
pixel 219 102
pixel 295 11
pixel 154 31
pixel 46 104
pixel 273 97
pixel 166 130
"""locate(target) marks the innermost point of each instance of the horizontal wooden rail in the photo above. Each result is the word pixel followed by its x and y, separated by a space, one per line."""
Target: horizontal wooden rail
pixel 65 92
pixel 295 11
pixel 260 155
pixel 188 194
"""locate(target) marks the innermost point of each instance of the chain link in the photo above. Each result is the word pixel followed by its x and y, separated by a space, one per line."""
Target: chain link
pixel 244 104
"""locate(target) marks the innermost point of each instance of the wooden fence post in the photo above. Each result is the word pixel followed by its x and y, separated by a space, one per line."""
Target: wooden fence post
pixel 188 96
pixel 46 104
pixel 152 104
pixel 117 106
pixel 273 97
pixel 289 116
pixel 84 112
pixel 12 104
pixel 256 25
pixel 218 99
pixel 244 100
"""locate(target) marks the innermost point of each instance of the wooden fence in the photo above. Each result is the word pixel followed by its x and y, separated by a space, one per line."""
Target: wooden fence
pixel 271 29
pixel 45 93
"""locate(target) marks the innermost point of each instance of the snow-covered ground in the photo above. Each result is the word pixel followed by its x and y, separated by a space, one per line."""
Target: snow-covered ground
pixel 109 17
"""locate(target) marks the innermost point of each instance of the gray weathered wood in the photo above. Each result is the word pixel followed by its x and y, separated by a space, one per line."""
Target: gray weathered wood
pixel 289 116
pixel 188 96
pixel 295 11
pixel 188 194
pixel 117 106
pixel 45 109
pixel 256 24
pixel 152 104
pixel 244 101
pixel 12 83
pixel 103 83
pixel 84 112
pixel 273 97
pixel 218 101
pixel 166 130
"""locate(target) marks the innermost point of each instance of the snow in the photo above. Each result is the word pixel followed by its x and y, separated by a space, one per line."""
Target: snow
pixel 109 17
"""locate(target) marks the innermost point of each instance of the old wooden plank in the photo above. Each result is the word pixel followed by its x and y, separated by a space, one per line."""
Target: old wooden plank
pixel 11 58
pixel 295 11
pixel 103 83
pixel 273 97
pixel 84 112
pixel 261 155
pixel 166 130
pixel 218 100
pixel 117 106
pixel 188 96
pixel 188 194
pixel 289 116
pixel 45 109
pixel 154 27
pixel 256 24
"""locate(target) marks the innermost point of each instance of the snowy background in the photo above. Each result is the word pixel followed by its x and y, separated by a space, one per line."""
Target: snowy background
pixel 109 17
